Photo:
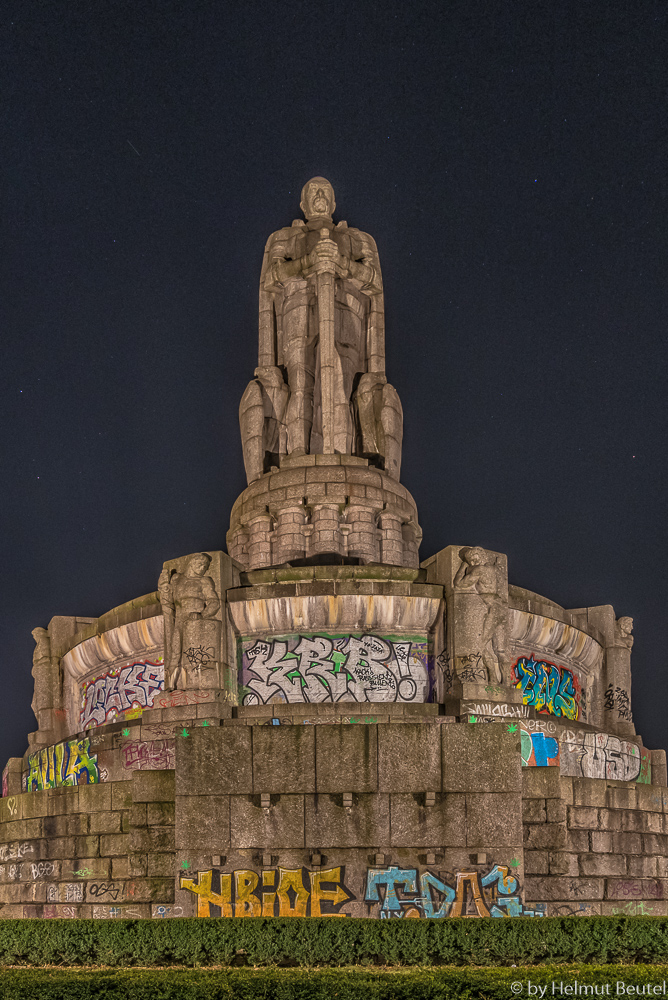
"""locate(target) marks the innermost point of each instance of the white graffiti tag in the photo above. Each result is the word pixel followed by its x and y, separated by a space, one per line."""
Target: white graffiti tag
pixel 132 686
pixel 321 669
pixel 599 755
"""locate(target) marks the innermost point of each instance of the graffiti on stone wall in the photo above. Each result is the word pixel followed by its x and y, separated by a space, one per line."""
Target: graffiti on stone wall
pixel 493 710
pixel 539 750
pixel 389 892
pixel 600 755
pixel 617 699
pixel 275 892
pixel 132 687
pixel 546 687
pixel 149 755
pixel 403 892
pixel 67 763
pixel 319 668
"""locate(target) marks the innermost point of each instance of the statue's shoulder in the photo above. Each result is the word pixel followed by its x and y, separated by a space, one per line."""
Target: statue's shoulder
pixel 284 235
pixel 363 237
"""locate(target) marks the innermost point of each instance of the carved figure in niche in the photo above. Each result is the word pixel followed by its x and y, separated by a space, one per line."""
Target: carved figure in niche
pixel 623 629
pixel 320 385
pixel 478 574
pixel 189 604
pixel 42 672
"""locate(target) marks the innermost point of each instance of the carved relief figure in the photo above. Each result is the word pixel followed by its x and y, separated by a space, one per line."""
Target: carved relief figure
pixel 623 630
pixel 189 603
pixel 320 386
pixel 42 671
pixel 478 574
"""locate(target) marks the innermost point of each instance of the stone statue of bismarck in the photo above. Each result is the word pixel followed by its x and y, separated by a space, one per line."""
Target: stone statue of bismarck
pixel 320 384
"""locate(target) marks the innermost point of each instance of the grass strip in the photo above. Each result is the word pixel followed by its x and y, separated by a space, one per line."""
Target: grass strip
pixel 343 984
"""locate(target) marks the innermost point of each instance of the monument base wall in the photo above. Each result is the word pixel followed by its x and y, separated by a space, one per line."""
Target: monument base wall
pixel 314 810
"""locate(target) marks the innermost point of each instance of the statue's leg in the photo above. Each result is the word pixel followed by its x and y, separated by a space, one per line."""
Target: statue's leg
pixel 299 353
pixel 349 343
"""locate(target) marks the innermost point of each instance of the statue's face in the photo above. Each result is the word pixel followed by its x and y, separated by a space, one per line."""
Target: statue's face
pixel 318 198
pixel 199 565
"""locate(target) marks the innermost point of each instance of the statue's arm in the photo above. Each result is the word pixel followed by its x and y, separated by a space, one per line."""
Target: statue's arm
pixel 211 598
pixel 364 262
pixel 281 262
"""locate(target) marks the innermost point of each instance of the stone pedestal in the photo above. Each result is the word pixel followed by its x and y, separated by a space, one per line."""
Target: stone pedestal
pixel 325 508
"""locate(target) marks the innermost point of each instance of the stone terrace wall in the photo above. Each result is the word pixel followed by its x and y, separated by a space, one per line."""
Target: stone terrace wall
pixel 104 850
pixel 595 846
pixel 306 810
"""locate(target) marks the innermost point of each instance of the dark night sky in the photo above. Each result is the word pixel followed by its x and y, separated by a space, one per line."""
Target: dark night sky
pixel 511 161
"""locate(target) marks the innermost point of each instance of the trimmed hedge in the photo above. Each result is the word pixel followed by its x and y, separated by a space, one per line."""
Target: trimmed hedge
pixel 322 984
pixel 259 941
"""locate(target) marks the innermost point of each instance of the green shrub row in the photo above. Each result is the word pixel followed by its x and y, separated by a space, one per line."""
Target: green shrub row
pixel 329 984
pixel 260 941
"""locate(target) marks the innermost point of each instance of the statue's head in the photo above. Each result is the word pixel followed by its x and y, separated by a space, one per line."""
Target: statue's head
pixel 626 625
pixel 199 564
pixel 474 555
pixel 317 199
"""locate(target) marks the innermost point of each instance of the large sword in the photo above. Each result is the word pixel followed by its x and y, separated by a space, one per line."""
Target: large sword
pixel 324 283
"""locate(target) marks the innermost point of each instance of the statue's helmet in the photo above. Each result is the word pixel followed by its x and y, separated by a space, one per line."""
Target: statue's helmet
pixel 317 199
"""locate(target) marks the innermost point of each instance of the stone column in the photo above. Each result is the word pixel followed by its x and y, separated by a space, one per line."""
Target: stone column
pixel 363 538
pixel 326 530
pixel 237 544
pixel 617 693
pixel 290 541
pixel 259 542
pixel 411 540
pixel 391 539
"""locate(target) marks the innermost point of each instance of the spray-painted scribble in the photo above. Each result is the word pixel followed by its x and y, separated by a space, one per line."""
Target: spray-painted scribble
pixel 403 892
pixel 317 668
pixel 548 688
pixel 600 755
pixel 68 763
pixel 149 755
pixel 200 656
pixel 104 698
pixel 617 699
pixel 274 892
pixel 539 750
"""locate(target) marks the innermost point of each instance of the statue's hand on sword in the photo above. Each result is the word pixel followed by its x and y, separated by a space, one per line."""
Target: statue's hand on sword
pixel 326 259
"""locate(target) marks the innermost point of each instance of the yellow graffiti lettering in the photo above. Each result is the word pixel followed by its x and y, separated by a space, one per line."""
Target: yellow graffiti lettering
pixel 33 777
pixel 205 895
pixel 459 906
pixel 268 897
pixel 79 763
pixel 291 878
pixel 246 904
pixel 59 755
pixel 320 895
